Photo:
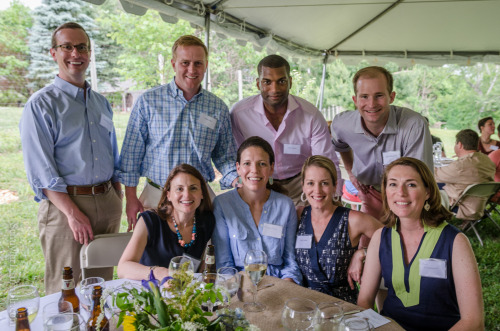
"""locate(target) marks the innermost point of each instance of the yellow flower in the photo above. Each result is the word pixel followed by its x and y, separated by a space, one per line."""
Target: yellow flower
pixel 128 322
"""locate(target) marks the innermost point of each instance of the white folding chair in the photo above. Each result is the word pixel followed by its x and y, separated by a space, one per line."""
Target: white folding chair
pixel 481 190
pixel 104 251
pixel 356 205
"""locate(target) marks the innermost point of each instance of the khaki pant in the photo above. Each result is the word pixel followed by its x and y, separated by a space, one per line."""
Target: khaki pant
pixel 294 188
pixel 59 247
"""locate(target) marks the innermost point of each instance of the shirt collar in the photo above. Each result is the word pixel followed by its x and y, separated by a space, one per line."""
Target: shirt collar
pixel 291 106
pixel 175 91
pixel 70 89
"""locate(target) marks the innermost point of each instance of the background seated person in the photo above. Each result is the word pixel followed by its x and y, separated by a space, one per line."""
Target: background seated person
pixel 255 216
pixel 182 224
pixel 471 167
pixel 329 234
pixel 427 264
pixel 486 128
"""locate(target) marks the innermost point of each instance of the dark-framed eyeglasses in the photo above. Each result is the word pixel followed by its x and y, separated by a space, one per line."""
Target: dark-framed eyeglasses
pixel 68 48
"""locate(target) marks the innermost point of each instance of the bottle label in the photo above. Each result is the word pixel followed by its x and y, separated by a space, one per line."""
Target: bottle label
pixel 68 284
pixel 209 259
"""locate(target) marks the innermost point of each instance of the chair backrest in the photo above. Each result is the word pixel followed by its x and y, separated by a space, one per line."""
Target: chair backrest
pixel 104 251
pixel 481 190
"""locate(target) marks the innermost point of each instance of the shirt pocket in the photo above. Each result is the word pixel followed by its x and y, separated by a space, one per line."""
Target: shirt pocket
pixel 274 248
pixel 240 244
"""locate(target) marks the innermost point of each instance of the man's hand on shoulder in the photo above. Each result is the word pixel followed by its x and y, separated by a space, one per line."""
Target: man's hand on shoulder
pixel 360 187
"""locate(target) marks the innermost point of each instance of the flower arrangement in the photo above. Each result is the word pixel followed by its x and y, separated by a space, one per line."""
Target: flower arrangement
pixel 175 307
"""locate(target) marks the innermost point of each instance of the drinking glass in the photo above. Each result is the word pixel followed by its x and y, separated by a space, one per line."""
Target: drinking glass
pixel 299 314
pixel 255 267
pixel 65 322
pixel 330 316
pixel 228 279
pixel 356 324
pixel 23 296
pixel 54 308
pixel 86 288
pixel 176 264
pixel 209 278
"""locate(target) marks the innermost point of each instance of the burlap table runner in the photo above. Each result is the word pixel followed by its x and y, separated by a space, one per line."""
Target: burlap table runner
pixel 275 297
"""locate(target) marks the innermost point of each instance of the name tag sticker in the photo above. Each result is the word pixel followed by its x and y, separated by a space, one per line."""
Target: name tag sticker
pixel 106 122
pixel 196 262
pixel 291 149
pixel 208 121
pixel 433 268
pixel 304 241
pixel 390 156
pixel 272 230
pixel 493 147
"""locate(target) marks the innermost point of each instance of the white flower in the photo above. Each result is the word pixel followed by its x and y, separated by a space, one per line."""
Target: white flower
pixel 193 326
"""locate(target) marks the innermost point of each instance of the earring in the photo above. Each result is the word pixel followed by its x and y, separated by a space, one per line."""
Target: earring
pixel 271 180
pixel 240 181
pixel 336 198
pixel 303 197
pixel 427 206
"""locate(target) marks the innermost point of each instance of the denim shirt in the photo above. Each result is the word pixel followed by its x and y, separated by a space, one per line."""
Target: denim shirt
pixel 235 233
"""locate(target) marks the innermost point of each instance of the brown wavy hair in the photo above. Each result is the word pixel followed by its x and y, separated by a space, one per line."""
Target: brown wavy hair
pixel 437 213
pixel 165 207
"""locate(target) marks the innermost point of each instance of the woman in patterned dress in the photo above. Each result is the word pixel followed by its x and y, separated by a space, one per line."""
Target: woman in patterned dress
pixel 328 234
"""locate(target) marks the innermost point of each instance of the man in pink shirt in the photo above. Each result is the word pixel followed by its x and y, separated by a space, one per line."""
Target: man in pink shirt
pixel 291 125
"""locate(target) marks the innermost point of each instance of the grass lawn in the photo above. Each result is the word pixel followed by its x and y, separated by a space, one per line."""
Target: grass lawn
pixel 21 261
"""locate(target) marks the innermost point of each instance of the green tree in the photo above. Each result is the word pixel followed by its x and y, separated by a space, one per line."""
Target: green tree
pixel 47 18
pixel 15 22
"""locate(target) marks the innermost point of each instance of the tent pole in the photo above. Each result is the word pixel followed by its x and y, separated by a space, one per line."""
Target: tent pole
pixel 322 85
pixel 206 81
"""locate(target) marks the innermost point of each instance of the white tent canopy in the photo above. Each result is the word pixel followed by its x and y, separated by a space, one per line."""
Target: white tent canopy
pixel 433 32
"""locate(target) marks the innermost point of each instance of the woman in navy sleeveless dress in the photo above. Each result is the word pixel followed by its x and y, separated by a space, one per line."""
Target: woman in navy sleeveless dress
pixel 328 235
pixel 182 225
pixel 427 265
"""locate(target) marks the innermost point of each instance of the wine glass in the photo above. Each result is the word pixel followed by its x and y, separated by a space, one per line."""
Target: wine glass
pixel 299 314
pixel 209 278
pixel 330 316
pixel 23 296
pixel 176 264
pixel 86 287
pixel 356 324
pixel 229 280
pixel 56 307
pixel 255 267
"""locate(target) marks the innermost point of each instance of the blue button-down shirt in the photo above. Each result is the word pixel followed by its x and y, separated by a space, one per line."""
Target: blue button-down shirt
pixel 165 130
pixel 235 234
pixel 67 139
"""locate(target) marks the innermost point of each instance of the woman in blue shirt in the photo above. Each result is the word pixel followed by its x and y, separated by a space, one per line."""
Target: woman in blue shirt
pixel 428 266
pixel 255 216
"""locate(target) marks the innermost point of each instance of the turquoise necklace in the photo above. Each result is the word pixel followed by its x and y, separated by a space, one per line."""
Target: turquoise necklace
pixel 179 237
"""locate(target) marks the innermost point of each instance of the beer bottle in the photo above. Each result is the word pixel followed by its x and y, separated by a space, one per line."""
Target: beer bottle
pixel 210 270
pixel 22 323
pixel 93 322
pixel 68 290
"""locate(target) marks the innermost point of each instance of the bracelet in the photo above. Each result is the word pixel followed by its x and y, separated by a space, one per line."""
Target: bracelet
pixel 151 270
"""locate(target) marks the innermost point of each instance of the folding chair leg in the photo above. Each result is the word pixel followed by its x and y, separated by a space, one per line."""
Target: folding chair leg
pixel 477 233
pixel 491 219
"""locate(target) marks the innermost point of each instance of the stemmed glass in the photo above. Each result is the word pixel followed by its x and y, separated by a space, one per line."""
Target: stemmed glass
pixel 23 296
pixel 228 279
pixel 86 287
pixel 356 324
pixel 299 314
pixel 255 267
pixel 330 315
pixel 176 264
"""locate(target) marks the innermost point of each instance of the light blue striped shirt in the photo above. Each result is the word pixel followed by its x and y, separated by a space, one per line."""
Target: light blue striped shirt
pixel 165 130
pixel 67 139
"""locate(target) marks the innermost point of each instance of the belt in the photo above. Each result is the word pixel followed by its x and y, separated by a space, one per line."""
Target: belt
pixel 288 179
pixel 89 189
pixel 150 182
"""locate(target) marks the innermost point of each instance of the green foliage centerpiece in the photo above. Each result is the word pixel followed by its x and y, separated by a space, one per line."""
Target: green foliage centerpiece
pixel 176 306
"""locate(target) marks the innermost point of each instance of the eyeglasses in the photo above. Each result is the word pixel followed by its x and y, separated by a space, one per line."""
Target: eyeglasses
pixel 68 48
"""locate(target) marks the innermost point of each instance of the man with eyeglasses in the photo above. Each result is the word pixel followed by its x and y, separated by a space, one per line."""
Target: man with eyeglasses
pixel 70 155
pixel 291 125
pixel 176 123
